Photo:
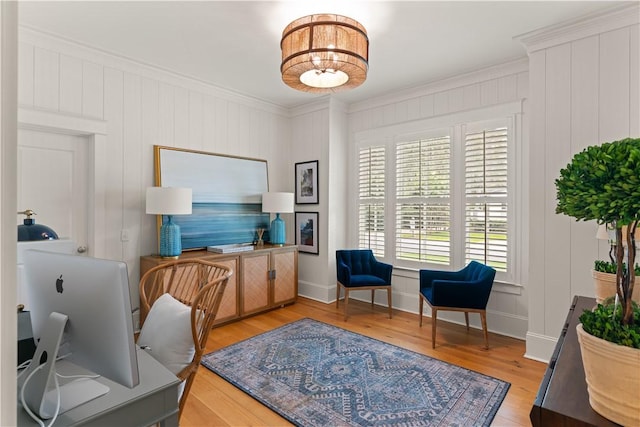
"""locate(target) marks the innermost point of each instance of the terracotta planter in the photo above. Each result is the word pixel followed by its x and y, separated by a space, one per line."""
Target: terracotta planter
pixel 605 286
pixel 613 378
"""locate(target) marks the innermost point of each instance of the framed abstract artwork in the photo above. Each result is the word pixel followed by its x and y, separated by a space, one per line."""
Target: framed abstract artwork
pixel 227 203
pixel 307 232
pixel 306 180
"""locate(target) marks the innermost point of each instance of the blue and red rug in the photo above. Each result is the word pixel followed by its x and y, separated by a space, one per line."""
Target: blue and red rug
pixel 315 374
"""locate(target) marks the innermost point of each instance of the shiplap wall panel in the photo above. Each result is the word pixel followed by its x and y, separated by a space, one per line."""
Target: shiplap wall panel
pixel 634 83
pixel 220 128
pixel 456 100
pixel 537 216
pixel 489 92
pixel 113 114
pixel 472 96
pixel 601 99
pixel 149 121
pixel 614 85
pixel 70 85
pixel 196 118
pixel 92 90
pixel 46 87
pixel 181 117
pixel 25 78
pixel 584 132
pixel 557 231
pixel 167 120
pixel 133 190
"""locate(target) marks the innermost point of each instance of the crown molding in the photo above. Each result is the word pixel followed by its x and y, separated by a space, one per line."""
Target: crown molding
pixel 588 25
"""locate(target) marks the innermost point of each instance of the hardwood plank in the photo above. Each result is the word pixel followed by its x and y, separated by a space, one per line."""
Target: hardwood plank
pixel 214 402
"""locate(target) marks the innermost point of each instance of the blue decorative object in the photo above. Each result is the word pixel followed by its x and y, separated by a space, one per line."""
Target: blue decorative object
pixel 277 232
pixel 30 231
pixel 315 374
pixel 170 241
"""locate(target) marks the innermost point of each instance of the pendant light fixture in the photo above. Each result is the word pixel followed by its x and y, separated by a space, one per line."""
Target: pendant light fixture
pixel 324 53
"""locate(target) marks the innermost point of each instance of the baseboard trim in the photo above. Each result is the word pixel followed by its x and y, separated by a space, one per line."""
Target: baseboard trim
pixel 540 347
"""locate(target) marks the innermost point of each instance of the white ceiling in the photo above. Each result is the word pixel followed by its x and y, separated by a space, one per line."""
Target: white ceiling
pixel 236 44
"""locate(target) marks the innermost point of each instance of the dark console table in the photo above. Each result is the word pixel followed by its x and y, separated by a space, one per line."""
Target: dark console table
pixel 562 398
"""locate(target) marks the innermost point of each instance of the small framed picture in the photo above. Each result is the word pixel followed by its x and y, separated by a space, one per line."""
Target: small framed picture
pixel 306 180
pixel 307 232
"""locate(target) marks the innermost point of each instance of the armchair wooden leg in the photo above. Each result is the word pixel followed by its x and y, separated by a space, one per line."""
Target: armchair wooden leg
pixel 337 294
pixel 466 319
pixel 434 320
pixel 346 302
pixel 483 317
pixel 389 301
pixel 373 292
pixel 421 306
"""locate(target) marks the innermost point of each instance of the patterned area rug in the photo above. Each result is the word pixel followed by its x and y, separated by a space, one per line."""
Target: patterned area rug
pixel 315 374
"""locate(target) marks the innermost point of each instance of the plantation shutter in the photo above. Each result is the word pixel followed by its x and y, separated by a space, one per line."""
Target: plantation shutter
pixel 486 236
pixel 423 211
pixel 371 192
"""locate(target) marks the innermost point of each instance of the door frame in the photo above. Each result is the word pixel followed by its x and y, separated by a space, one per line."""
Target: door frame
pixel 95 132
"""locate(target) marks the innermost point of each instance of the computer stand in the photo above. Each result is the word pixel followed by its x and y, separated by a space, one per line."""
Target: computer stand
pixel 38 383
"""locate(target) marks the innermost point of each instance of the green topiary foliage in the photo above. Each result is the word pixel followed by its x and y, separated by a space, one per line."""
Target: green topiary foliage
pixel 602 183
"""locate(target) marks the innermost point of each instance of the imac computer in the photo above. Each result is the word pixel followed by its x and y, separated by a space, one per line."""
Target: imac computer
pixel 81 314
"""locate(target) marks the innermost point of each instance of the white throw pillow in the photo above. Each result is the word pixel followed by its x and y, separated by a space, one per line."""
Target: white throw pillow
pixel 167 333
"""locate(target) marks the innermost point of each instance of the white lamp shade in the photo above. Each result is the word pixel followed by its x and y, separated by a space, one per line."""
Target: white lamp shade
pixel 169 201
pixel 602 233
pixel 277 202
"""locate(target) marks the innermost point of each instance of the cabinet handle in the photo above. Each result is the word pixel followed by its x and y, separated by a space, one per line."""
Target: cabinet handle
pixel 271 274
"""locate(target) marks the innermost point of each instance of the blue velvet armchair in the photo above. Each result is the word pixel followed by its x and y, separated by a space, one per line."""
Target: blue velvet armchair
pixel 466 290
pixel 358 269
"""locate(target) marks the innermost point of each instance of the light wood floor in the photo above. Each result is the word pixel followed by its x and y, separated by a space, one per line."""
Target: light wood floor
pixel 214 402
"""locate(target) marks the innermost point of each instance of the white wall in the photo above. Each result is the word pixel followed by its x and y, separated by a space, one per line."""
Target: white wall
pixel 143 106
pixel 319 132
pixel 584 85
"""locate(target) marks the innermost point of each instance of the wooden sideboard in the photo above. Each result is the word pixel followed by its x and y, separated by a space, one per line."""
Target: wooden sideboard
pixel 562 398
pixel 263 279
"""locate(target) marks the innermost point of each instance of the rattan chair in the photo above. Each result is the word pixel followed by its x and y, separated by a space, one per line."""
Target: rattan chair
pixel 197 284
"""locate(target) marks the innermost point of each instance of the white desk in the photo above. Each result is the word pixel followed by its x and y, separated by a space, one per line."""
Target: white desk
pixel 153 400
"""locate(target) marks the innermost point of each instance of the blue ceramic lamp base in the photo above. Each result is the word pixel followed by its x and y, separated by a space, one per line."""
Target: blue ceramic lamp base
pixel 277 232
pixel 170 241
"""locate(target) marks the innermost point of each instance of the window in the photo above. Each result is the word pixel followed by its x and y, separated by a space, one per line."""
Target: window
pixel 486 207
pixel 439 197
pixel 371 190
pixel 423 207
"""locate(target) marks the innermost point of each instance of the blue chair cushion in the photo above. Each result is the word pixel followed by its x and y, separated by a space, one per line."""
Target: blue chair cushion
pixel 366 280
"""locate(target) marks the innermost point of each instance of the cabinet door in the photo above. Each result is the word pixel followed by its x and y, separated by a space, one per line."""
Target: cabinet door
pixel 255 282
pixel 229 305
pixel 285 285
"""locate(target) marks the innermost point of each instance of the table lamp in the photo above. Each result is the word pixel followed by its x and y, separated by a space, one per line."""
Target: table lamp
pixel 277 203
pixel 169 201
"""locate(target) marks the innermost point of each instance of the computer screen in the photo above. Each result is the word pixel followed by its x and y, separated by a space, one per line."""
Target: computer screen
pixel 94 295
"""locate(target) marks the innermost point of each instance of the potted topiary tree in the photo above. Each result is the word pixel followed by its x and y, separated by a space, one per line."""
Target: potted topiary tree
pixel 602 183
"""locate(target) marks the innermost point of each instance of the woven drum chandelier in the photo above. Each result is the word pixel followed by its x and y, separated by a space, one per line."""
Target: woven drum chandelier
pixel 324 53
